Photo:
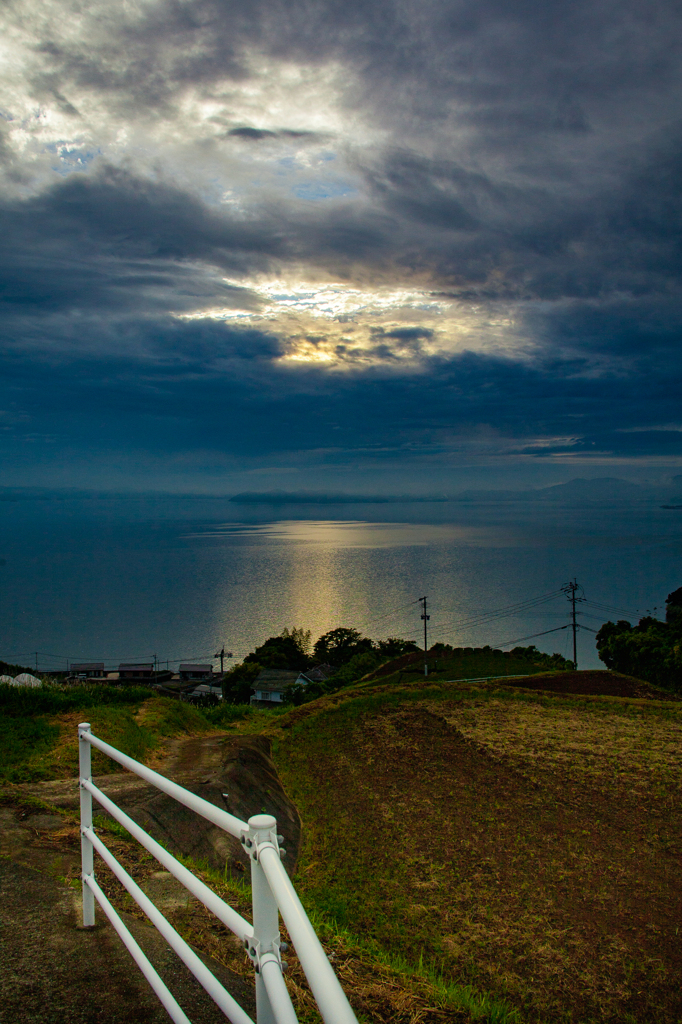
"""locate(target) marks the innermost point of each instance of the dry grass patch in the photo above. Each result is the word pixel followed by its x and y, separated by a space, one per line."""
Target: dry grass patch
pixel 500 840
pixel 626 741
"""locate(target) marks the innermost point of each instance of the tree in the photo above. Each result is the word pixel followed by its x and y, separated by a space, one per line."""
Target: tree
pixel 238 683
pixel 279 652
pixel 673 608
pixel 395 647
pixel 301 637
pixel 339 645
pixel 651 650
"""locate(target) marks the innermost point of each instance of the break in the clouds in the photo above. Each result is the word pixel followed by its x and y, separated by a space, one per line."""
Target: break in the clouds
pixel 387 241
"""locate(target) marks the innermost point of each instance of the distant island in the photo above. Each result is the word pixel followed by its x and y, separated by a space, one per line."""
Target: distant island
pixel 580 489
pixel 309 498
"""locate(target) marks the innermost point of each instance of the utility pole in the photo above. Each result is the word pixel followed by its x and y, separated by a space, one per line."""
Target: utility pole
pixel 570 590
pixel 425 617
pixel 222 654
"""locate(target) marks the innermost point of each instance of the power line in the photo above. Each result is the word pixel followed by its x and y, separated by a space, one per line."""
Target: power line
pixel 530 636
pixel 485 617
pixel 507 609
pixel 501 613
pixel 612 608
pixel 388 614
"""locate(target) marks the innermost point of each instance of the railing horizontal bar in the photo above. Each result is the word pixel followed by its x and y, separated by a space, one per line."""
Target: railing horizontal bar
pixel 275 986
pixel 228 822
pixel 325 986
pixel 227 1004
pixel 234 921
pixel 175 1011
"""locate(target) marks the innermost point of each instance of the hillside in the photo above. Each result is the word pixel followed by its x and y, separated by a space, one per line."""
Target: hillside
pixel 505 852
pixel 468 663
pixel 519 843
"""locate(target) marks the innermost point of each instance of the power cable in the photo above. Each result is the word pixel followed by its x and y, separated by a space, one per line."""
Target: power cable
pixel 507 609
pixel 611 608
pixel 531 636
pixel 493 616
pixel 388 614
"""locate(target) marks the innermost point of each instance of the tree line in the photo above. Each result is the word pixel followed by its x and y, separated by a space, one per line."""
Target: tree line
pixel 650 650
pixel 348 654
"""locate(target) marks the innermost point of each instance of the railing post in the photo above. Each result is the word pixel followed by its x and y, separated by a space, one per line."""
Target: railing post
pixel 262 829
pixel 87 853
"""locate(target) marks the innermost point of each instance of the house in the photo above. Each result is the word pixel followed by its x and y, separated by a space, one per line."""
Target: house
pixel 88 670
pixel 205 690
pixel 136 671
pixel 318 674
pixel 195 673
pixel 271 684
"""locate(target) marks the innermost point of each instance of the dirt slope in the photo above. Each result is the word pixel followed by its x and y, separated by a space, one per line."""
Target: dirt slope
pixel 593 683
pixel 525 847
pixel 210 766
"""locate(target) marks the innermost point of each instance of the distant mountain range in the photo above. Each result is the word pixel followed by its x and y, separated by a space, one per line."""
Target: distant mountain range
pixel 580 489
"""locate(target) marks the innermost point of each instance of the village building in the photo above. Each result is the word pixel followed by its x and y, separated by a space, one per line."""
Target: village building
pixel 136 671
pixel 318 674
pixel 195 673
pixel 206 690
pixel 271 684
pixel 88 670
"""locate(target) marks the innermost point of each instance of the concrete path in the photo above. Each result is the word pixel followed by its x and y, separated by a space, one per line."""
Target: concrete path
pixel 54 972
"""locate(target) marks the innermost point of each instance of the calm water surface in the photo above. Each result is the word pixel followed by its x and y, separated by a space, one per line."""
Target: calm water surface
pixel 125 579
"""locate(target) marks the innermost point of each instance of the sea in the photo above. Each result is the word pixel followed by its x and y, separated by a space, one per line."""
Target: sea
pixel 177 579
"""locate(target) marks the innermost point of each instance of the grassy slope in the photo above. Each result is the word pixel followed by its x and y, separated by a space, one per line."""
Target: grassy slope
pixel 522 844
pixel 470 663
pixel 463 663
pixel 40 747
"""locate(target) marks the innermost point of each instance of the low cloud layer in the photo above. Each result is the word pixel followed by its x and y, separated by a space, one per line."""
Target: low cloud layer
pixel 265 238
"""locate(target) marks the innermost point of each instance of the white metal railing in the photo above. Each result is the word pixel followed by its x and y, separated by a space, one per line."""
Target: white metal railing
pixel 272 894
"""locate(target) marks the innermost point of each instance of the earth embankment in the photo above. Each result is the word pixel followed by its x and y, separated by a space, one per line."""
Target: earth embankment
pixel 523 842
pixel 235 773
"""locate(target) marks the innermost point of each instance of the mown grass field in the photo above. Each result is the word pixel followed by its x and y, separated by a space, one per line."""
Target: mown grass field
pixel 524 844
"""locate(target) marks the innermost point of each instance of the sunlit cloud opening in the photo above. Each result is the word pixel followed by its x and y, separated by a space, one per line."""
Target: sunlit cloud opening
pixel 343 326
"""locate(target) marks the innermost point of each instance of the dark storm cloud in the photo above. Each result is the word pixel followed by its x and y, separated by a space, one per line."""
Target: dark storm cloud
pixel 105 229
pixel 529 153
pixel 207 383
pixel 495 240
pixel 258 134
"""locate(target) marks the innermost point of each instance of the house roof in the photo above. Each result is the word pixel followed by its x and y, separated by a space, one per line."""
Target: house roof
pixel 274 680
pixel 319 673
pixel 278 676
pixel 195 668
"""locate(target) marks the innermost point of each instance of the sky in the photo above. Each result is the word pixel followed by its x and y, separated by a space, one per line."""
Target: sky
pixel 363 247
